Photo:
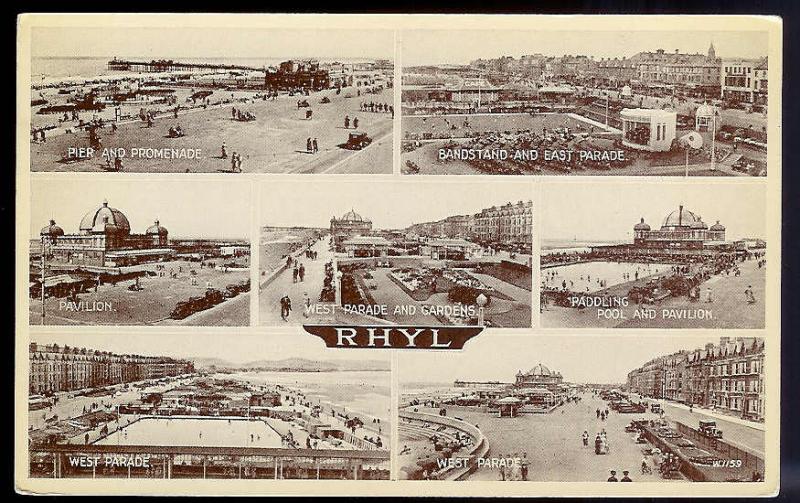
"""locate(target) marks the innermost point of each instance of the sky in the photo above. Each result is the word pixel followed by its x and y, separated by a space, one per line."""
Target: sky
pixel 608 211
pixel 176 42
pixel 187 208
pixel 389 204
pixel 460 47
pixel 579 358
pixel 235 348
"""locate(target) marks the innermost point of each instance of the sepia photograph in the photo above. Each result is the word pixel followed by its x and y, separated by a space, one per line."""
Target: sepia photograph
pixel 585 409
pixel 622 102
pixel 150 406
pixel 666 255
pixel 136 253
pixel 211 100
pixel 429 253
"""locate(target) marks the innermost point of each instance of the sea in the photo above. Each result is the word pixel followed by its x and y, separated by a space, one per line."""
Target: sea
pixel 89 67
pixel 573 245
pixel 368 392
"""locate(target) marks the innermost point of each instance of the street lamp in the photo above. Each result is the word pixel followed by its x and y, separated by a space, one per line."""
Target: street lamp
pixel 43 276
pixel 481 300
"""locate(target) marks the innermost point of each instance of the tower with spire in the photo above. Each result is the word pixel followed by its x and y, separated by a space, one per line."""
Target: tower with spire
pixel 712 54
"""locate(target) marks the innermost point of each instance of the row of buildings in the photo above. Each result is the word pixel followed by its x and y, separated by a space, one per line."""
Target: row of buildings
pixel 287 75
pixel 314 75
pixel 55 368
pixel 737 79
pixel 727 377
pixel 508 224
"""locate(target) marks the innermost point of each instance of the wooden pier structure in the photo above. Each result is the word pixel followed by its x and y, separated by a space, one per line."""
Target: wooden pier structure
pixel 168 65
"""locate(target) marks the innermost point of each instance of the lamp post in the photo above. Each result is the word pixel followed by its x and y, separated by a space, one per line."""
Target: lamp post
pixel 481 300
pixel 714 139
pixel 43 275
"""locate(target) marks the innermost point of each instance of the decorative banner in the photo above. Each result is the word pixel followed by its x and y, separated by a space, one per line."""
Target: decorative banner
pixel 394 337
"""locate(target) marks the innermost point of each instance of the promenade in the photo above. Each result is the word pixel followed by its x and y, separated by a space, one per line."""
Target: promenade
pixel 275 142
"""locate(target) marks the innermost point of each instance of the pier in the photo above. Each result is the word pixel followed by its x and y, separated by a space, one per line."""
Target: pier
pixel 168 65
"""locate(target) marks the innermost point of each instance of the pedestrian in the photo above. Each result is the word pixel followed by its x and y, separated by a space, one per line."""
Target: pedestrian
pixel 347 122
pixel 314 145
pixel 301 272
pixel 224 153
pixel 309 145
pixel 749 295
pixel 524 466
pixel 295 272
pixel 306 304
pixel 355 123
pixel 286 307
pixel 586 439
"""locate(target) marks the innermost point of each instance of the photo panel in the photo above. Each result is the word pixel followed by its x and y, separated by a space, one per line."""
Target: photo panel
pixel 585 408
pixel 427 253
pixel 152 407
pixel 211 100
pixel 135 252
pixel 565 102
pixel 671 255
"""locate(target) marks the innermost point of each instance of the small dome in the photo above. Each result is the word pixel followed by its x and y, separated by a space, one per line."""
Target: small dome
pixel 156 228
pixel 717 227
pixel 680 218
pixel 641 226
pixel 704 110
pixel 105 218
pixel 699 224
pixel 52 230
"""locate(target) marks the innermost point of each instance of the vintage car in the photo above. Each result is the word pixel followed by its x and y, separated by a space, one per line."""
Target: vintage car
pixel 631 408
pixel 195 304
pixel 357 140
pixel 709 429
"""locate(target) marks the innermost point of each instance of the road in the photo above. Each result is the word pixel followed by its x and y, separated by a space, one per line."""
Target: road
pixel 750 438
pixel 233 312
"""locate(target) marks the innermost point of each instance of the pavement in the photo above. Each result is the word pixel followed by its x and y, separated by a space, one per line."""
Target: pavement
pixel 273 143
pixel 283 284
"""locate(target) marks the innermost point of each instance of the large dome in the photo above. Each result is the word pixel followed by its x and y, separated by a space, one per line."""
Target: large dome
pixel 99 219
pixel 540 370
pixel 352 216
pixel 681 218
